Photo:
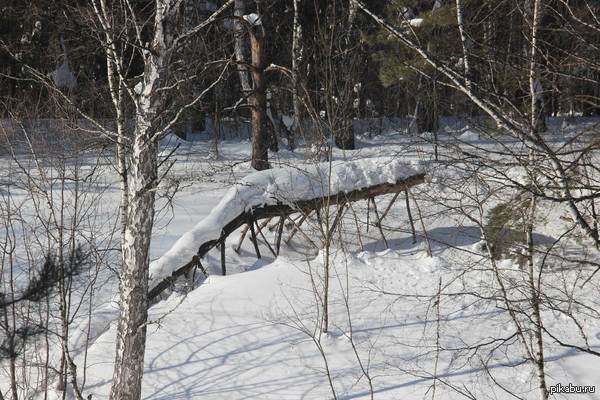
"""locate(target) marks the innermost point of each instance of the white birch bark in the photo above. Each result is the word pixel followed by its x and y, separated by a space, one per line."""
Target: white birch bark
pixel 464 45
pixel 534 291
pixel 241 46
pixel 133 287
pixel 141 180
pixel 296 62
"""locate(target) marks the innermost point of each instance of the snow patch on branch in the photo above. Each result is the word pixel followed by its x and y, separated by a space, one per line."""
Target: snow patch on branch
pixel 253 19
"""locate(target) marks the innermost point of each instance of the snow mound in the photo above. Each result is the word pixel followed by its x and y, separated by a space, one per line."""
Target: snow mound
pixel 428 136
pixel 416 22
pixel 469 136
pixel 280 186
pixel 171 141
pixel 63 77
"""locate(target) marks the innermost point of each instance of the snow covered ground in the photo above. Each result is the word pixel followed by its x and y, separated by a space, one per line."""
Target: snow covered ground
pixel 251 336
pixel 254 334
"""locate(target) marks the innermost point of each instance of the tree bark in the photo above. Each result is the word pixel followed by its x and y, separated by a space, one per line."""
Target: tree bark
pixel 296 76
pixel 534 292
pixel 133 286
pixel 258 100
pixel 241 47
pixel 142 179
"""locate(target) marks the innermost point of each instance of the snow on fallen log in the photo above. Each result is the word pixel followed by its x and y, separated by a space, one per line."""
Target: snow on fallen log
pixel 291 188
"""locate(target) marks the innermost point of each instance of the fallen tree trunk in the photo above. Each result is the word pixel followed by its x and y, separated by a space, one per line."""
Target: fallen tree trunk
pixel 278 210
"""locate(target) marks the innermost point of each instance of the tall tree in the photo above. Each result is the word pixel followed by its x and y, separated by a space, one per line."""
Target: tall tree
pixel 297 81
pixel 154 114
pixel 258 96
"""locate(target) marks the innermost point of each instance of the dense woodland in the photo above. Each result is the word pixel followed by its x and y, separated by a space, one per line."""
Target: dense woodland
pixel 333 36
pixel 497 101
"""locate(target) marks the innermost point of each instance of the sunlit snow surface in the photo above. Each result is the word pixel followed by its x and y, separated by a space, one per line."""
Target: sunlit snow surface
pixel 248 335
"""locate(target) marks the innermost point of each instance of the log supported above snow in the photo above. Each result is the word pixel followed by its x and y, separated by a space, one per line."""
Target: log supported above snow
pixel 281 192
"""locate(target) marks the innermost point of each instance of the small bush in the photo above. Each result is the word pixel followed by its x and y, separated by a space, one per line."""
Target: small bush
pixel 505 228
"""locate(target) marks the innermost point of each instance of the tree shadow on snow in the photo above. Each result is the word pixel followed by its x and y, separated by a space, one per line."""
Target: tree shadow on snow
pixel 442 238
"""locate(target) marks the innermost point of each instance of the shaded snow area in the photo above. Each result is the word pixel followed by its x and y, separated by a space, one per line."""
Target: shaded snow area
pixel 280 185
pixel 63 77
pixel 172 141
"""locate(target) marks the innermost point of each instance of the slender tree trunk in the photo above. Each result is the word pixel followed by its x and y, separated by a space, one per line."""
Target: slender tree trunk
pixel 241 47
pixel 64 337
pixel 133 286
pixel 258 100
pixel 535 303
pixel 10 321
pixel 11 345
pixel 537 114
pixel 274 125
pixel 464 44
pixel 142 179
pixel 296 76
pixel 326 266
pixel 537 125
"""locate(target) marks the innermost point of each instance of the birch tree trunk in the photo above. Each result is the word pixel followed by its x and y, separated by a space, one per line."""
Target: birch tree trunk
pixel 536 114
pixel 155 112
pixel 142 179
pixel 296 63
pixel 133 286
pixel 534 293
pixel 135 245
pixel 241 47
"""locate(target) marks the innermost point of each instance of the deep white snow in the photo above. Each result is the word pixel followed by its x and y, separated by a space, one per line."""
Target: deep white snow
pixel 254 334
